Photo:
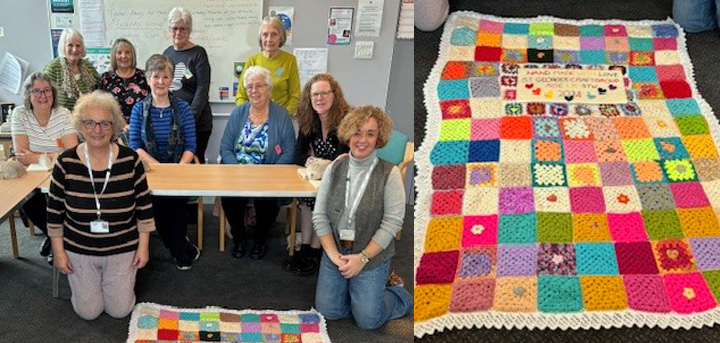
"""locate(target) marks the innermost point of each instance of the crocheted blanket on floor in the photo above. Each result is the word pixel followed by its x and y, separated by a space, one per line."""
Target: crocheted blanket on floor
pixel 569 178
pixel 159 324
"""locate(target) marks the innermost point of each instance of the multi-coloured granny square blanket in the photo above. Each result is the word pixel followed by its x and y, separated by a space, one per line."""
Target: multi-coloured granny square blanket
pixel 569 178
pixel 160 324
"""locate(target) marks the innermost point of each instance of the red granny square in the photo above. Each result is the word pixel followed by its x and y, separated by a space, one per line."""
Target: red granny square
pixel 486 53
pixel 448 177
pixel 167 335
pixel 454 109
pixel 675 89
pixel 516 128
pixel 437 267
pixel 447 202
pixel 665 44
pixel 635 258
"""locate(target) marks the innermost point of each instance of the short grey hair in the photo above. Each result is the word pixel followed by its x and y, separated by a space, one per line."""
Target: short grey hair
pixel 255 71
pixel 28 86
pixel 98 100
pixel 275 22
pixel 158 62
pixel 68 35
pixel 180 14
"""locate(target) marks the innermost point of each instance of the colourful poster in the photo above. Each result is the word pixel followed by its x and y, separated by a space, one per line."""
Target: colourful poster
pixel 340 25
pixel 62 6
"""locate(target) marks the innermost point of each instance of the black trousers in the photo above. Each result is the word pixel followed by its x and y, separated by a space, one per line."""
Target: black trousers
pixel 171 222
pixel 202 138
pixel 266 210
pixel 36 210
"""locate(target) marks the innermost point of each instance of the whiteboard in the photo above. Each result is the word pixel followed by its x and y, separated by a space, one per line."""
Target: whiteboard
pixel 227 29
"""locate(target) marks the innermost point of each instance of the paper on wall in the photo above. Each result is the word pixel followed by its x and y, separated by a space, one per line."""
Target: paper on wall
pixel 12 69
pixel 340 25
pixel 369 18
pixel 286 14
pixel 310 62
pixel 92 22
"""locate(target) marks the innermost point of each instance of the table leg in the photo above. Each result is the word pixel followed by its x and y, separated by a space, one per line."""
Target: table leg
pixel 13 237
pixel 222 229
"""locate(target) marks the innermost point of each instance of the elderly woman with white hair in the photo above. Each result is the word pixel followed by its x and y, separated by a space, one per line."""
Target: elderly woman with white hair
pixel 282 66
pixel 99 212
pixel 258 132
pixel 191 81
pixel 71 74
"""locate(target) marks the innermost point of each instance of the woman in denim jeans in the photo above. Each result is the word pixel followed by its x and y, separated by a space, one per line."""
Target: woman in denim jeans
pixel 697 15
pixel 360 207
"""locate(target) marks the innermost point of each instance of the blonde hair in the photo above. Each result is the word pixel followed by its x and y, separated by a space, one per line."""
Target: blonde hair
pixel 116 45
pixel 358 116
pixel 67 35
pixel 306 114
pixel 277 24
pixel 98 100
pixel 180 14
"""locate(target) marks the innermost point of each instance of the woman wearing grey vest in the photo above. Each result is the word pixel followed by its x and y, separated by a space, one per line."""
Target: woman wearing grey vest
pixel 360 207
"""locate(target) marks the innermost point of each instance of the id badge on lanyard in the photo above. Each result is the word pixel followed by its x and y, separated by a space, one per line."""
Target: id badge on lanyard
pixel 99 225
pixel 349 234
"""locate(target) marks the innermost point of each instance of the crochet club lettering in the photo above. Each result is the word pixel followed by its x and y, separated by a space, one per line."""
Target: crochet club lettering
pixel 571 178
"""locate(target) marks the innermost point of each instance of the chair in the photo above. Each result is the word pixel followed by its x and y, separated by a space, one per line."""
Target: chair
pixel 199 201
pixel 399 151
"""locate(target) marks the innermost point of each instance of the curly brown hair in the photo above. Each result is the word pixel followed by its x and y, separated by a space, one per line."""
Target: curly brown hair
pixel 358 116
pixel 306 114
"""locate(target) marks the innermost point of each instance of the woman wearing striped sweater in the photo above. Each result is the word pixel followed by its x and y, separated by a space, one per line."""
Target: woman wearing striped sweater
pixel 162 130
pixel 71 74
pixel 100 212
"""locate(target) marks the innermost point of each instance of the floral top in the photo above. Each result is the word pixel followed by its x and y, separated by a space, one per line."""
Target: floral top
pixel 127 91
pixel 252 144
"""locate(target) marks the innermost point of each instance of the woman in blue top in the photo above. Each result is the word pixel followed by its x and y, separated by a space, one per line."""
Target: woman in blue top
pixel 258 132
pixel 162 130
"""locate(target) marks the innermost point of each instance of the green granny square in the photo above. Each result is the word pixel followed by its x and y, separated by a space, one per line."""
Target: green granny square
pixel 693 125
pixel 662 224
pixel 554 227
pixel 545 29
pixel 455 130
pixel 559 293
pixel 517 228
pixel 640 149
pixel 591 30
pixel 712 277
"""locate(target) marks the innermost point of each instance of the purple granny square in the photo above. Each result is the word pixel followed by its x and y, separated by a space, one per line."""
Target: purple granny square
pixel 517 259
pixel 592 43
pixel 516 200
pixel 250 326
pixel 707 252
pixel 616 174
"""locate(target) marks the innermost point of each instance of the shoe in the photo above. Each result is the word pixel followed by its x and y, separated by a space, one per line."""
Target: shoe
pixel 46 247
pixel 258 251
pixel 50 259
pixel 193 252
pixel 395 280
pixel 239 250
pixel 290 264
pixel 183 265
pixel 307 266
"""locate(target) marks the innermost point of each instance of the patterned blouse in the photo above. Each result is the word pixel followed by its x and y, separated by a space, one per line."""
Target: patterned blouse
pixel 252 145
pixel 127 91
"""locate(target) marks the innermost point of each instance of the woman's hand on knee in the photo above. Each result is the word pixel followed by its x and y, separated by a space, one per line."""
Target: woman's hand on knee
pixel 142 256
pixel 62 263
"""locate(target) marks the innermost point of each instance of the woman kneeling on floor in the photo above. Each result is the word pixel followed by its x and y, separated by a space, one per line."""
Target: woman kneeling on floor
pixel 360 207
pixel 99 212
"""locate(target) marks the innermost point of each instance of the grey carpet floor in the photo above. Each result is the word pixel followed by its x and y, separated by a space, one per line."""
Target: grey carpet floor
pixel 704 49
pixel 28 313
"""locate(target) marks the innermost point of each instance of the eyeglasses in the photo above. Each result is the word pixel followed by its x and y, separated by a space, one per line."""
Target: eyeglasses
pixel 181 29
pixel 39 92
pixel 91 124
pixel 255 86
pixel 320 94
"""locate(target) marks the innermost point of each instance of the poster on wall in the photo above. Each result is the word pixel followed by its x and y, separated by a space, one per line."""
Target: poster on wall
pixel 100 58
pixel 61 20
pixel 62 6
pixel 55 36
pixel 340 25
pixel 311 62
pixel 369 18
pixel 285 14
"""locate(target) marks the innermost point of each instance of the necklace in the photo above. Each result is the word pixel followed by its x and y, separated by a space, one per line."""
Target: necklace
pixel 162 110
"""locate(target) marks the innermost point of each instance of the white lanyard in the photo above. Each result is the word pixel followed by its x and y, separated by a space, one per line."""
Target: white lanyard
pixel 361 191
pixel 92 179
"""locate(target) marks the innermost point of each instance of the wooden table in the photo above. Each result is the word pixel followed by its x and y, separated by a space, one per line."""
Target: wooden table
pixel 14 193
pixel 257 181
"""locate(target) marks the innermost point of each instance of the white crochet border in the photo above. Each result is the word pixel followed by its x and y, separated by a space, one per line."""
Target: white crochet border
pixel 132 330
pixel 499 320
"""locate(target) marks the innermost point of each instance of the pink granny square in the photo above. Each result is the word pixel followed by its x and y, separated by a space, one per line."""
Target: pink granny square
pixel 627 227
pixel 671 72
pixel 689 195
pixel 484 128
pixel 447 202
pixel 491 26
pixel 688 292
pixel 578 151
pixel 516 200
pixel 166 314
pixel 615 30
pixel 473 295
pixel 646 293
pixel 587 200
pixel 665 43
pixel 479 230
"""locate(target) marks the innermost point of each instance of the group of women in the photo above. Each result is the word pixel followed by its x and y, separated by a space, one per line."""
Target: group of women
pixel 99 211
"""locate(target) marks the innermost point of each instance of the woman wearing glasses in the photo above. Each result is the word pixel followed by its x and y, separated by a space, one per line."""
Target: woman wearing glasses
pixel 281 65
pixel 70 72
pixel 40 127
pixel 162 130
pixel 258 132
pixel 191 81
pixel 321 108
pixel 99 212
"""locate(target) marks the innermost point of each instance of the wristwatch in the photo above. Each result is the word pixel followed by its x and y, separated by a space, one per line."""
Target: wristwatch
pixel 363 258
